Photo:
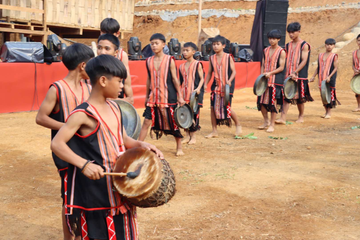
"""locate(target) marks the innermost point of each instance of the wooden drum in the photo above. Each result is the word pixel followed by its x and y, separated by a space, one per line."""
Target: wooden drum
pixel 154 184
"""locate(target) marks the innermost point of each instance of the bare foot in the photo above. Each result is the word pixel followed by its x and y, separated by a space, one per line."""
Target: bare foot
pixel 270 129
pixel 192 141
pixel 323 116
pixel 327 116
pixel 185 140
pixel 356 110
pixel 265 125
pixel 300 120
pixel 212 135
pixel 238 130
pixel 279 121
pixel 179 152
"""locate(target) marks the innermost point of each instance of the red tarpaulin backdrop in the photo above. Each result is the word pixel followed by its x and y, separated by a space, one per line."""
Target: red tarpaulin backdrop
pixel 24 85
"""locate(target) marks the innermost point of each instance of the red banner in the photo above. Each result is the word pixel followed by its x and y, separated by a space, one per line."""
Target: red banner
pixel 24 85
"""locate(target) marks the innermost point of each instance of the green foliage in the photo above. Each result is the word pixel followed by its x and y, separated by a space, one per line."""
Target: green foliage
pixel 278 138
pixel 249 136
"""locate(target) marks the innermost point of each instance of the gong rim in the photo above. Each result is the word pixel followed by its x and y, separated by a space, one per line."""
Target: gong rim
pixel 180 115
pixel 325 92
pixel 149 162
pixel 355 84
pixel 290 88
pixel 227 94
pixel 194 101
pixel 260 85
pixel 130 117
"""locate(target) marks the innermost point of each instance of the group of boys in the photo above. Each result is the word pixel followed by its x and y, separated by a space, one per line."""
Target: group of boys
pixel 292 62
pixel 93 136
pixel 87 131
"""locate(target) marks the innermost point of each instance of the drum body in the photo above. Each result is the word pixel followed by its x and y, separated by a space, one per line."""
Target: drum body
pixel 155 184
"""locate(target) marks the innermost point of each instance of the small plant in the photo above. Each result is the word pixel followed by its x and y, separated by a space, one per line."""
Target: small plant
pixel 247 107
pixel 288 123
pixel 278 138
pixel 355 127
pixel 249 136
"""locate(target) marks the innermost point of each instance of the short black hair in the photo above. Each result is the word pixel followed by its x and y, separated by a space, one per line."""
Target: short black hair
pixel 275 33
pixel 358 36
pixel 76 54
pixel 220 39
pixel 293 27
pixel 192 45
pixel 330 41
pixel 109 25
pixel 111 38
pixel 158 36
pixel 105 65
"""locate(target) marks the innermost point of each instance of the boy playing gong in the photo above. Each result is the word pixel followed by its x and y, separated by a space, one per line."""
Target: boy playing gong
pixel 273 64
pixel 191 76
pixel 223 66
pixel 162 94
pixel 327 71
pixel 297 64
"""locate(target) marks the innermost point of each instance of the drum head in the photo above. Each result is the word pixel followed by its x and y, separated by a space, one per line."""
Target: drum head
pixel 355 84
pixel 149 178
pixel 227 94
pixel 290 88
pixel 260 85
pixel 194 101
pixel 131 119
pixel 325 93
pixel 184 116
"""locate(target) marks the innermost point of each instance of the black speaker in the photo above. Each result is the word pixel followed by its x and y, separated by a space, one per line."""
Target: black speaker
pixel 276 12
pixel 134 49
pixel 175 48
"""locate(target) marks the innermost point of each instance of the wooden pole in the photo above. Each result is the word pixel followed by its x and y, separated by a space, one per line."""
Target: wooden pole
pixel 199 23
pixel 45 29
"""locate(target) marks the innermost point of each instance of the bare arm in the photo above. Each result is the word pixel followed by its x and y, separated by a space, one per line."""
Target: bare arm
pixel 62 150
pixel 314 75
pixel 47 106
pixel 201 75
pixel 127 86
pixel 176 82
pixel 233 74
pixel 336 65
pixel 208 76
pixel 356 71
pixel 131 143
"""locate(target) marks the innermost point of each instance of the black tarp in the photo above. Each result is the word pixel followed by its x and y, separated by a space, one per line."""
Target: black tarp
pixel 256 41
pixel 22 52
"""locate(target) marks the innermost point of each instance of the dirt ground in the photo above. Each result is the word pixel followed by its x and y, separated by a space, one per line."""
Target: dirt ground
pixel 304 187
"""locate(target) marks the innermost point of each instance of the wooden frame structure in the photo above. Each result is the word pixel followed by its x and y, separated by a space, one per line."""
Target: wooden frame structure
pixel 34 18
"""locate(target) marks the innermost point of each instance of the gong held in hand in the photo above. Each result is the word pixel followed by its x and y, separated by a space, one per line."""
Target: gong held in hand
pixel 144 179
